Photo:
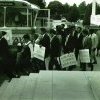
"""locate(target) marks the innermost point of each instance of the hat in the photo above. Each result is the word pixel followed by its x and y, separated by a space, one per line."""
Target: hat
pixel 26 36
pixel 43 30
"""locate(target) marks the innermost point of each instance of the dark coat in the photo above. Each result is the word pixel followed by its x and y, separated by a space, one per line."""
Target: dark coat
pixel 4 48
pixel 70 45
pixel 25 57
pixel 45 41
pixel 79 42
pixel 55 50
pixel 5 57
pixel 63 35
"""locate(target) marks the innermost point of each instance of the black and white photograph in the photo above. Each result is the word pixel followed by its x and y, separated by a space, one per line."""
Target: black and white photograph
pixel 49 49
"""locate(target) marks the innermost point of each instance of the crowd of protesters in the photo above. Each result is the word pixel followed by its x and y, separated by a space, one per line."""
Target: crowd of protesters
pixel 57 42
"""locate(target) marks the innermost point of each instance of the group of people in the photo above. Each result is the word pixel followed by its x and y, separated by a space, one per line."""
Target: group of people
pixel 57 42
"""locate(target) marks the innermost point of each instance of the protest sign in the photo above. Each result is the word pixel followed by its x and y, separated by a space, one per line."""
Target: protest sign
pixel 39 52
pixel 68 60
pixel 84 56
pixel 95 19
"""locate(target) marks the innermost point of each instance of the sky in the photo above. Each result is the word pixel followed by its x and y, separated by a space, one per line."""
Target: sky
pixel 70 2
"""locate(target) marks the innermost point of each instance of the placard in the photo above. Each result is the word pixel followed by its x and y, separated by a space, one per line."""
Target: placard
pixel 68 60
pixel 39 52
pixel 95 19
pixel 84 56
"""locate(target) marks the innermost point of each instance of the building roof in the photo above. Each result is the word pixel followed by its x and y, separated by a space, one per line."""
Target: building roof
pixel 18 4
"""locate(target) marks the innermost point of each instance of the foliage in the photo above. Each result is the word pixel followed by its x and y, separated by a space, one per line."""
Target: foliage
pixel 73 15
pixel 97 9
pixel 56 8
pixel 82 9
pixel 66 10
pixel 40 3
pixel 87 15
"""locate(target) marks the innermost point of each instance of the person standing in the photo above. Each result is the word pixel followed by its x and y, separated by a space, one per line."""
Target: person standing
pixel 25 56
pixel 63 35
pixel 45 41
pixel 55 51
pixel 98 47
pixel 70 40
pixel 5 58
pixel 70 44
pixel 79 39
pixel 87 44
pixel 94 44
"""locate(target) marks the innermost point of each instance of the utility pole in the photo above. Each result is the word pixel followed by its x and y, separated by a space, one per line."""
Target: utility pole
pixel 94 7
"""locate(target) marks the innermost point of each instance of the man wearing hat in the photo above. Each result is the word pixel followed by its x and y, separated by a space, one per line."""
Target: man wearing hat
pixel 4 49
pixel 5 58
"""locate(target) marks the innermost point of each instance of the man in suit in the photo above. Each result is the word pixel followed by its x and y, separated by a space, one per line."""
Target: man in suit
pixel 45 41
pixel 63 35
pixel 55 51
pixel 87 44
pixel 79 40
pixel 70 44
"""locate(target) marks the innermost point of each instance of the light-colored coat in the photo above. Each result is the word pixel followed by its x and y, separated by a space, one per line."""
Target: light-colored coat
pixel 94 39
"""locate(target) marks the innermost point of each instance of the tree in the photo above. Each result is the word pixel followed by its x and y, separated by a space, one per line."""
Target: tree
pixel 73 14
pixel 66 10
pixel 82 9
pixel 97 8
pixel 40 3
pixel 87 15
pixel 56 9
